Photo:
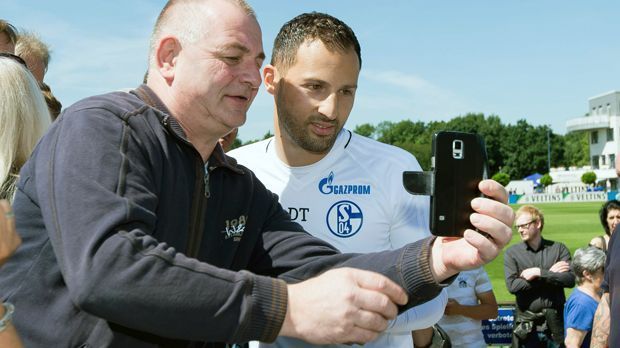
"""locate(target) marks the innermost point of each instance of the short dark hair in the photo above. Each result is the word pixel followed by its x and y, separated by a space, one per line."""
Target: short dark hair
pixel 609 205
pixel 334 34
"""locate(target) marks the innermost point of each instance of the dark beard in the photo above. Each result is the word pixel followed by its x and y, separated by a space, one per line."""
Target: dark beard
pixel 300 134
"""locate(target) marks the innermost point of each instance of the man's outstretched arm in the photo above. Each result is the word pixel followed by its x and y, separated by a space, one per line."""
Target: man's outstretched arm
pixel 357 304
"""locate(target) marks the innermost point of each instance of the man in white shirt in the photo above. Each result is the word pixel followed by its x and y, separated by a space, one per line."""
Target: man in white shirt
pixel 344 188
pixel 471 300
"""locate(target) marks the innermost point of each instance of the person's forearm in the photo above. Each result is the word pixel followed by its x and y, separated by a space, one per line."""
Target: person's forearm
pixel 514 283
pixel 574 338
pixel 422 337
pixel 9 337
pixel 477 312
pixel 409 267
pixel 419 317
pixel 600 326
pixel 563 279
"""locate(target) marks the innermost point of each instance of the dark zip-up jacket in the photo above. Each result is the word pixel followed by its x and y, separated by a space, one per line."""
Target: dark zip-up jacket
pixel 127 243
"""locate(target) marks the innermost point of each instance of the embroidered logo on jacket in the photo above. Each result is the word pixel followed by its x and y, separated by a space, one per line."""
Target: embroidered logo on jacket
pixel 344 219
pixel 235 228
pixel 326 187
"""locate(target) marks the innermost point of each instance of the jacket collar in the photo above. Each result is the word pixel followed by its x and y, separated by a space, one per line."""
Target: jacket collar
pixel 217 158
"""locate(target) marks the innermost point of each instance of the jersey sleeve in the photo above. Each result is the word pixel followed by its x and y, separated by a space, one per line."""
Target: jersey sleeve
pixel 410 219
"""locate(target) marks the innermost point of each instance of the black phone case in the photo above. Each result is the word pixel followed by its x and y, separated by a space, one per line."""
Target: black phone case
pixel 459 164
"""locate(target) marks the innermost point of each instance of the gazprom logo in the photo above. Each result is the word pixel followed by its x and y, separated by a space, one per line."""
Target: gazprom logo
pixel 326 187
pixel 344 219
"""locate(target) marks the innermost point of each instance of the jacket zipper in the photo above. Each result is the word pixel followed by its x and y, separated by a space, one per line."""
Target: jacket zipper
pixel 199 200
pixel 199 204
pixel 199 208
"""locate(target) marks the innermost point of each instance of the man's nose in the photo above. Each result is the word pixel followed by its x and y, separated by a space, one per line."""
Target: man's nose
pixel 329 106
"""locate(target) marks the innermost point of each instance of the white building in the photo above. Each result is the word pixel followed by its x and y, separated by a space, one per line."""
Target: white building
pixel 602 122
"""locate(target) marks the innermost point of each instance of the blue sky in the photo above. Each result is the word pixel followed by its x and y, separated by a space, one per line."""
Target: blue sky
pixel 422 60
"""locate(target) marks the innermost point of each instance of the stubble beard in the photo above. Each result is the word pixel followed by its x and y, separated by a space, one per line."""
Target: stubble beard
pixel 299 132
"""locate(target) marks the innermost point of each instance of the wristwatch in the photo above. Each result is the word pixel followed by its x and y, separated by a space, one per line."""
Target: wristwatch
pixel 8 314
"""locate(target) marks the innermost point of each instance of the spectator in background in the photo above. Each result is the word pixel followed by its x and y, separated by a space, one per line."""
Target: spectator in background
pixel 588 266
pixel 35 52
pixel 37 56
pixel 470 300
pixel 610 216
pixel 24 117
pixel 9 241
pixel 8 37
pixel 537 271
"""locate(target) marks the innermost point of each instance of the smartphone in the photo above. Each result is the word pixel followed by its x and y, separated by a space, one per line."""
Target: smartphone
pixel 459 163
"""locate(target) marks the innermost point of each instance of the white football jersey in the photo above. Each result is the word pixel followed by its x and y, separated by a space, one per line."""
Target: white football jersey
pixel 466 332
pixel 354 199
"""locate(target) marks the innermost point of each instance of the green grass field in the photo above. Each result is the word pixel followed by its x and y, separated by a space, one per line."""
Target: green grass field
pixel 573 224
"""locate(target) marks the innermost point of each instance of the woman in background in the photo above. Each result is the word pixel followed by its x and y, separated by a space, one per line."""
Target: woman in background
pixel 24 118
pixel 588 264
pixel 610 216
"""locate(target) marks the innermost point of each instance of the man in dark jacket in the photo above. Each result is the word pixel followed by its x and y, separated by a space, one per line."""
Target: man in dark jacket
pixel 537 271
pixel 139 232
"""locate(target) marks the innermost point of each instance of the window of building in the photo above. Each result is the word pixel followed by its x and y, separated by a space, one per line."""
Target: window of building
pixel 603 160
pixel 594 137
pixel 610 134
pixel 612 161
pixel 594 162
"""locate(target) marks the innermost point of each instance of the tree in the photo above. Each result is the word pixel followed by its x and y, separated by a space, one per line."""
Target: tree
pixel 266 136
pixel 402 132
pixel 524 148
pixel 546 180
pixel 236 143
pixel 588 178
pixel 366 130
pixel 501 178
pixel 576 149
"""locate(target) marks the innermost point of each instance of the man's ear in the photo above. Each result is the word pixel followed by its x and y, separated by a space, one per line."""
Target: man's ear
pixel 166 55
pixel 270 78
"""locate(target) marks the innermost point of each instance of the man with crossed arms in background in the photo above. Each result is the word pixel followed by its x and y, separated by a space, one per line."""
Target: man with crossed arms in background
pixel 344 188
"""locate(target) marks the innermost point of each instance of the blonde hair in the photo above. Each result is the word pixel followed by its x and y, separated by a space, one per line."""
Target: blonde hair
pixel 24 117
pixel 29 45
pixel 534 212
pixel 185 20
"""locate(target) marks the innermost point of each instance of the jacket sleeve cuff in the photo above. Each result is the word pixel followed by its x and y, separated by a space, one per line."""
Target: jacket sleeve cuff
pixel 416 272
pixel 270 297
